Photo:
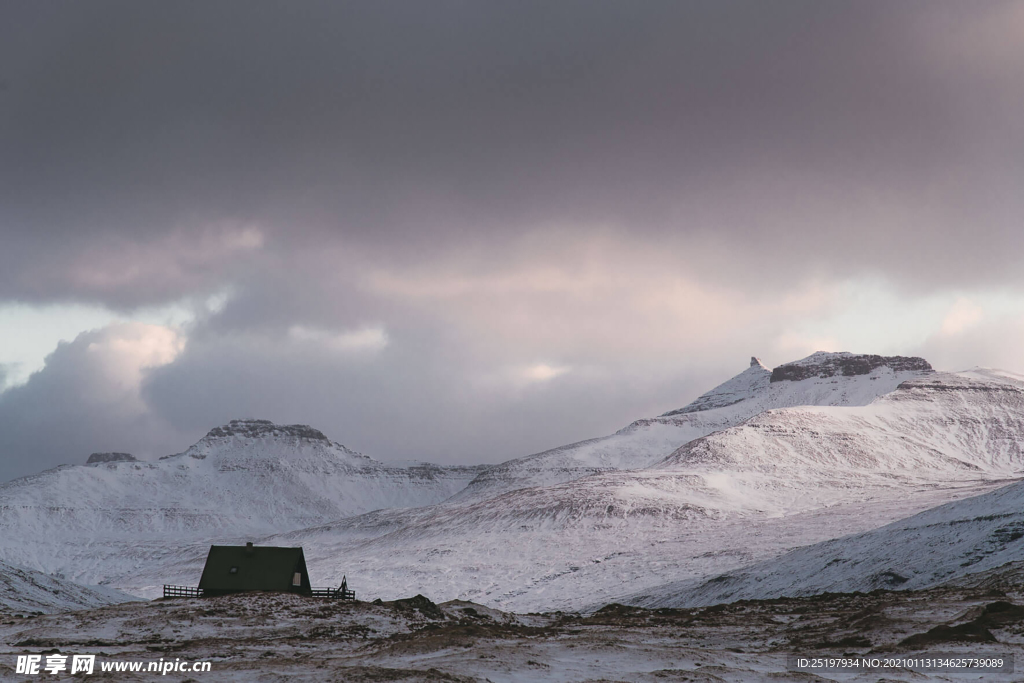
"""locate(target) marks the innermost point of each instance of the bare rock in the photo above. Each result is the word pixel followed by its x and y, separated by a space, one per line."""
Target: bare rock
pixel 97 458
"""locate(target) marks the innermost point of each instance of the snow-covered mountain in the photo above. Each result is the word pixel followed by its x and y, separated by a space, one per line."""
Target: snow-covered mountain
pixel 771 460
pixel 968 536
pixel 27 591
pixel 573 545
pixel 821 379
pixel 784 478
pixel 249 477
pixel 941 422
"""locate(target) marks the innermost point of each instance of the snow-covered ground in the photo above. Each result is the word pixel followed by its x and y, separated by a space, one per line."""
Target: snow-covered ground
pixel 28 591
pixel 964 537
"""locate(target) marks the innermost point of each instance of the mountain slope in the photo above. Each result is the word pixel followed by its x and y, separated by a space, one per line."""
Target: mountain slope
pixel 941 544
pixel 24 590
pixel 942 422
pixel 823 379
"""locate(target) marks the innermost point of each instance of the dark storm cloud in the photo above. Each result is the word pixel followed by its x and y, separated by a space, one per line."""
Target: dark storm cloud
pixel 556 217
pixel 827 136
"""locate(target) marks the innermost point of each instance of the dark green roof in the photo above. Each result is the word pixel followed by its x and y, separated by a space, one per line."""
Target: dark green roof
pixel 255 568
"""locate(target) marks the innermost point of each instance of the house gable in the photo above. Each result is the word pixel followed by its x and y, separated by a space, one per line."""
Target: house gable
pixel 234 569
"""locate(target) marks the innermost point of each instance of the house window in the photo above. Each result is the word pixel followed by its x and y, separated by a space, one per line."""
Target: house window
pixel 233 570
pixel 297 579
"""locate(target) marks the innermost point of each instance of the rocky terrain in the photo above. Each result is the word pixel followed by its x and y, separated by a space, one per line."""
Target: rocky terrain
pixel 98 458
pixel 824 365
pixel 267 637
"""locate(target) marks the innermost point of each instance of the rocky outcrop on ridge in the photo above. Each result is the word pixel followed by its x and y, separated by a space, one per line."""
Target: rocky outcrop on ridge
pixel 97 458
pixel 824 365
pixel 250 428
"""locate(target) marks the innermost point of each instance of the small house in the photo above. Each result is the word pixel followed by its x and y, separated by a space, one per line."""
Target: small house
pixel 237 569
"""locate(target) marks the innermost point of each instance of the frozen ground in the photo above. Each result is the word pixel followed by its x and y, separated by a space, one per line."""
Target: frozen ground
pixel 257 637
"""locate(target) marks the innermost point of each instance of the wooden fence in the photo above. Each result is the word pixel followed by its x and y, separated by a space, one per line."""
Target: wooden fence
pixel 322 593
pixel 334 594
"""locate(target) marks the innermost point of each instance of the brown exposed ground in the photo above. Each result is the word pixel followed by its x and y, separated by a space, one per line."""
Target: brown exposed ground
pixel 271 637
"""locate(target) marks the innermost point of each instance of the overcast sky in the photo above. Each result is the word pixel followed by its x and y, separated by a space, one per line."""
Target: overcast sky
pixel 469 231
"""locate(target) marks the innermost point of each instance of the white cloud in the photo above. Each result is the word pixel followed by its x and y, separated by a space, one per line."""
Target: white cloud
pixel 992 341
pixel 542 372
pixel 120 354
pixel 963 314
pixel 88 396
pixel 29 333
pixel 215 303
pixel 373 338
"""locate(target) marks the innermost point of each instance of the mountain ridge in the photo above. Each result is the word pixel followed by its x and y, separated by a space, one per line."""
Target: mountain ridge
pixel 646 441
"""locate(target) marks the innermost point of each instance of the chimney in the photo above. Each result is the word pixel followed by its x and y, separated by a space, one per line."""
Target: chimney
pixel 248 548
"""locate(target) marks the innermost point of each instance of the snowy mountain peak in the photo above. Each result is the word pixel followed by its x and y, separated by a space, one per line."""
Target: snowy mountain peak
pixel 254 429
pixel 751 382
pixel 249 439
pixel 824 364
pixel 804 385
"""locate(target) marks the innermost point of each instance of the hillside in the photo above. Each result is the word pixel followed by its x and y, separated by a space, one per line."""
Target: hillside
pixel 26 591
pixel 246 478
pixel 969 536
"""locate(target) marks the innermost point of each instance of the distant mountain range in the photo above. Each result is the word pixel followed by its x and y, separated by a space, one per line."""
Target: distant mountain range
pixel 770 460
